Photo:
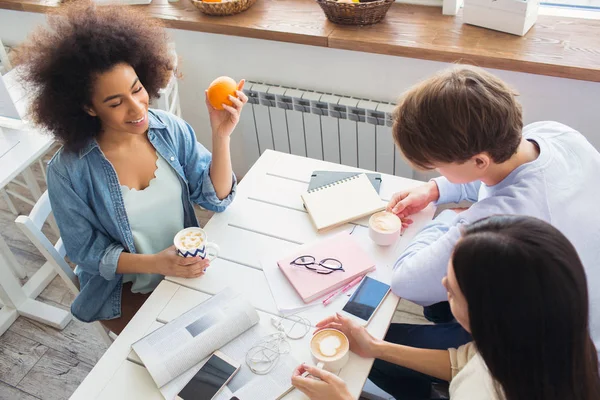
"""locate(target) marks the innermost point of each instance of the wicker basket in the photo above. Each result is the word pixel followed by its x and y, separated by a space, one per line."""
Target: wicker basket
pixel 225 8
pixel 355 13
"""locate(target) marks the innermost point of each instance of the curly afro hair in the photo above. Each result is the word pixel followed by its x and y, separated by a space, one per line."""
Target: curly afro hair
pixel 81 41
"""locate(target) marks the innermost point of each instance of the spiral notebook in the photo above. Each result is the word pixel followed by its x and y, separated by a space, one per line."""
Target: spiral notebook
pixel 323 178
pixel 341 202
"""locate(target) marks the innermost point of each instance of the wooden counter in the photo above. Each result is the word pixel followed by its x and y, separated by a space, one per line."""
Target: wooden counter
pixel 555 46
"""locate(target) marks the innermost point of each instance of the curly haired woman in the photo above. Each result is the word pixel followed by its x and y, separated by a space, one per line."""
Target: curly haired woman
pixel 124 182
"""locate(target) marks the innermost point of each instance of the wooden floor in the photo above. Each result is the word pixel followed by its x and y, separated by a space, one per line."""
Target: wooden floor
pixel 39 362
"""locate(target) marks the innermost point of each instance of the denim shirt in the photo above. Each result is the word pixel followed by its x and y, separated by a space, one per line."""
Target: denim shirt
pixel 86 200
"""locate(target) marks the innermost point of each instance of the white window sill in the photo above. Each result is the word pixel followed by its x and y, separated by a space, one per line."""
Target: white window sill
pixel 555 11
pixel 432 3
pixel 569 12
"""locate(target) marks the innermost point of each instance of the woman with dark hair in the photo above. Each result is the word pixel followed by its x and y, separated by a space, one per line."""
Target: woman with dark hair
pixel 125 181
pixel 518 286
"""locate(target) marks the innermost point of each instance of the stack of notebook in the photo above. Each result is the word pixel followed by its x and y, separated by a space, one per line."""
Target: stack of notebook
pixel 339 202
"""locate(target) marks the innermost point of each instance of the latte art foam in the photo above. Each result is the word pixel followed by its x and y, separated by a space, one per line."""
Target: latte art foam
pixel 329 345
pixel 191 240
pixel 386 222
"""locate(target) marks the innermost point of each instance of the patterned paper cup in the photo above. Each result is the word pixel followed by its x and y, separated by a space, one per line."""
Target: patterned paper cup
pixel 193 242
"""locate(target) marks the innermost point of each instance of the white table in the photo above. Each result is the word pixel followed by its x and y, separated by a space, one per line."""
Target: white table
pixel 19 148
pixel 267 216
pixel 19 96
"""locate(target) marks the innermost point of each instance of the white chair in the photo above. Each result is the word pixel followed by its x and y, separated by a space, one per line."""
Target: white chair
pixel 55 254
pixel 4 60
pixel 5 66
pixel 27 175
pixel 169 97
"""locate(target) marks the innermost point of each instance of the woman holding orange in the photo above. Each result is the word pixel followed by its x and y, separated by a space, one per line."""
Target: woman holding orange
pixel 125 181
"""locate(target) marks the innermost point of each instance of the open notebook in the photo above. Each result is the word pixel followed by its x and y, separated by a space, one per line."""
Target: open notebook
pixel 342 201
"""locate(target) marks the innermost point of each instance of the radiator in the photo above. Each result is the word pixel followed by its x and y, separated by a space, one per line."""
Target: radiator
pixel 330 127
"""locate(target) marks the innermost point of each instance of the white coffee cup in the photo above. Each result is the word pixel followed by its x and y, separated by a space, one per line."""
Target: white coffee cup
pixel 384 228
pixel 330 349
pixel 193 242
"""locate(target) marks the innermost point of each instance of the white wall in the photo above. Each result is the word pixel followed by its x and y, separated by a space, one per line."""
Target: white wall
pixel 206 56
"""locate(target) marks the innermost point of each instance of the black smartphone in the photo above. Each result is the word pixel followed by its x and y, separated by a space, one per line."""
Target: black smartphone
pixel 211 378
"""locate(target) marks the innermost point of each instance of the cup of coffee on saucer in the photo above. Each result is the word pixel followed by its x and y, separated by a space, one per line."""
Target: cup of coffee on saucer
pixel 330 349
pixel 193 242
pixel 384 228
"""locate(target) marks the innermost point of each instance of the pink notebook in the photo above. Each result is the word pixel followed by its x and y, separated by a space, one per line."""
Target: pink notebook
pixel 309 284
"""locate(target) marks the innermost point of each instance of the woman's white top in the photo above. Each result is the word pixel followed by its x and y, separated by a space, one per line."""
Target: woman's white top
pixel 471 379
pixel 155 215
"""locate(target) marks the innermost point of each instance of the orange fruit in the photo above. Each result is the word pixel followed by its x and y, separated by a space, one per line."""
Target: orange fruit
pixel 219 91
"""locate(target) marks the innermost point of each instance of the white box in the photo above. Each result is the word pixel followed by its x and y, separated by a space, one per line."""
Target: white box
pixel 511 16
pixel 451 7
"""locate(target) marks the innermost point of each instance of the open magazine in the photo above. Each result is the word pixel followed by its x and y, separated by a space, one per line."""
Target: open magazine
pixel 174 353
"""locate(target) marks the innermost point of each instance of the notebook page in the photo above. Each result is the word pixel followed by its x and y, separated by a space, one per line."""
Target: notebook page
pixel 342 202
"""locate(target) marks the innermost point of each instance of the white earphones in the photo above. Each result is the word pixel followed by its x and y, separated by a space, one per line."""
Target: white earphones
pixel 298 328
pixel 263 356
pixel 276 322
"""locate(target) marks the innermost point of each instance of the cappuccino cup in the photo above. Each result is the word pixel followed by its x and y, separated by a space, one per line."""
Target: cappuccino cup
pixel 193 242
pixel 384 228
pixel 330 349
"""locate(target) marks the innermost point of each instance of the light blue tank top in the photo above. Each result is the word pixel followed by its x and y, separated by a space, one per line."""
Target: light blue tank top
pixel 155 215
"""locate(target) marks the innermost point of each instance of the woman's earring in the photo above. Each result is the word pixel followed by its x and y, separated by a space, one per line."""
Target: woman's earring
pixel 90 112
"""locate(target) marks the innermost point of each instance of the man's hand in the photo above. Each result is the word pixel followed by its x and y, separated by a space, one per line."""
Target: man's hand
pixel 414 200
